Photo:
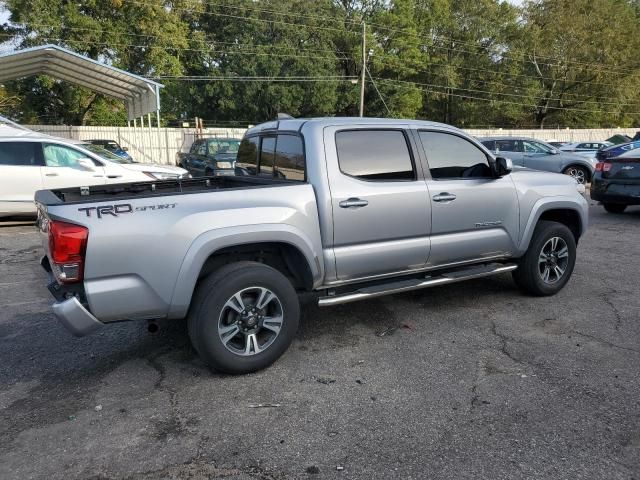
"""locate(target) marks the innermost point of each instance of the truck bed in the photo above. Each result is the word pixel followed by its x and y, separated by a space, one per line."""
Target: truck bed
pixel 120 191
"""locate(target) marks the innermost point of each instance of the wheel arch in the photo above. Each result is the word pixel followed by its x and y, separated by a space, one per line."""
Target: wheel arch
pixel 567 212
pixel 281 246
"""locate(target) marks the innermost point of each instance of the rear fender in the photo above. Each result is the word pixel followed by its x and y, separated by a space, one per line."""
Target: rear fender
pixel 212 241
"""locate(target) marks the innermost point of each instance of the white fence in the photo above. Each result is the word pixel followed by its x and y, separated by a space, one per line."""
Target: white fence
pixel 147 145
pixel 160 145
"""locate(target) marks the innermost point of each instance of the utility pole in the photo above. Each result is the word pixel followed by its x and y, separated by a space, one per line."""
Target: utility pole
pixel 364 67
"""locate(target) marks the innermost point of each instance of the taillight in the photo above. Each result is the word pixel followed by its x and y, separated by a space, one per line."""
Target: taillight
pixel 67 246
pixel 603 166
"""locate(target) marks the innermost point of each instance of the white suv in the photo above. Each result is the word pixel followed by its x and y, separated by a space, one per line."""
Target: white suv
pixel 30 161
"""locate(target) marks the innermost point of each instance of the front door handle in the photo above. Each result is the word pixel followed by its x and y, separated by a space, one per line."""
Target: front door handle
pixel 353 203
pixel 114 176
pixel 51 174
pixel 444 197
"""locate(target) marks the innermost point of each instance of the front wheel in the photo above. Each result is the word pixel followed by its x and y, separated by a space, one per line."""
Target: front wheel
pixel 547 266
pixel 580 174
pixel 243 317
pixel 614 207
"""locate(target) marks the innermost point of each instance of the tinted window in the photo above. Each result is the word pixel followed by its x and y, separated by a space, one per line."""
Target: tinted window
pixel 194 146
pixel 508 146
pixel 248 155
pixel 20 153
pixel 289 162
pixel 374 155
pixel 490 144
pixel 450 156
pixel 61 156
pixel 267 154
pixel 202 149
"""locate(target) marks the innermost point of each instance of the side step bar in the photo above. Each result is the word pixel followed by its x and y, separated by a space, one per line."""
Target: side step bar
pixel 417 283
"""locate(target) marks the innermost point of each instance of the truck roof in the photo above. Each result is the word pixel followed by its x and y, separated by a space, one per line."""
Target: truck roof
pixel 296 124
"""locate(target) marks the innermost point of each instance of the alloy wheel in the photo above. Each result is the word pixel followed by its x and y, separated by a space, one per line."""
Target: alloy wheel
pixel 250 321
pixel 553 260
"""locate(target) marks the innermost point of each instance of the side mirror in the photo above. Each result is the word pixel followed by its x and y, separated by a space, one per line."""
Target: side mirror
pixel 87 164
pixel 503 166
pixel 555 151
pixel 125 149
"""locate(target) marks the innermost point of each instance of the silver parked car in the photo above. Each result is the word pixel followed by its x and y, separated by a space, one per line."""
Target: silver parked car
pixel 587 149
pixel 539 155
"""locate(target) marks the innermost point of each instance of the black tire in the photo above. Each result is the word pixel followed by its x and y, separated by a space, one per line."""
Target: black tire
pixel 614 207
pixel 208 305
pixel 581 174
pixel 528 275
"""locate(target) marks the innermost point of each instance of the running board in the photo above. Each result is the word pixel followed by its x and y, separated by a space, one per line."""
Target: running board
pixel 417 283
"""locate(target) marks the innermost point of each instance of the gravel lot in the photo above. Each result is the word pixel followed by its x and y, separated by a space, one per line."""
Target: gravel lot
pixel 473 380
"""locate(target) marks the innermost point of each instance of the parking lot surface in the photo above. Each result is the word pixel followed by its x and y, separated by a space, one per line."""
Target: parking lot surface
pixel 473 380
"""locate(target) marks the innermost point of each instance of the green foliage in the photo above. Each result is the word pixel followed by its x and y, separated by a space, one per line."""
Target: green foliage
pixel 471 63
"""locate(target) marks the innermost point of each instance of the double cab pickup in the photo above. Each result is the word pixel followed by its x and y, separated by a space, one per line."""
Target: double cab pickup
pixel 336 209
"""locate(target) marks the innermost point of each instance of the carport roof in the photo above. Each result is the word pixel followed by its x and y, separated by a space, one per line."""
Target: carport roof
pixel 141 94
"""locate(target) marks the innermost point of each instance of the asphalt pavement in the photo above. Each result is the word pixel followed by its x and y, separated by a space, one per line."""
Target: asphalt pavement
pixel 468 381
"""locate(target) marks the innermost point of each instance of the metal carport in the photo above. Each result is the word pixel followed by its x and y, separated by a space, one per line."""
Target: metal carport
pixel 142 96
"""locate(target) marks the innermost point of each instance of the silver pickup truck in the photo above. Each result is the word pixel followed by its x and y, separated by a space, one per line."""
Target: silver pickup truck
pixel 337 209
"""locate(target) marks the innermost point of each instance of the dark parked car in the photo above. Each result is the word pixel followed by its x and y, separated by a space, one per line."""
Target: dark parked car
pixel 210 157
pixel 616 183
pixel 113 147
pixel 616 150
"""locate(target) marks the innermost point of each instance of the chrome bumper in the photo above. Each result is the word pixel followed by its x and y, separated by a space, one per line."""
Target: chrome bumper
pixel 75 317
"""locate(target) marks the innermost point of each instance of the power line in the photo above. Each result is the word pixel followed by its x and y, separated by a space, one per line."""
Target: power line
pixel 466 96
pixel 503 94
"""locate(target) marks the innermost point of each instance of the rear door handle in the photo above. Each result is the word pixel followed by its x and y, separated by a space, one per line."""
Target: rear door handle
pixel 114 176
pixel 444 197
pixel 353 203
pixel 51 174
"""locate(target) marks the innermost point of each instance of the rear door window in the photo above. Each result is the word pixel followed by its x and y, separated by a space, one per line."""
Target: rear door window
pixel 375 155
pixel 21 153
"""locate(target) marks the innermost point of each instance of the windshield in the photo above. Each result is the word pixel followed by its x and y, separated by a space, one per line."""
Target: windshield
pixel 106 154
pixel 224 146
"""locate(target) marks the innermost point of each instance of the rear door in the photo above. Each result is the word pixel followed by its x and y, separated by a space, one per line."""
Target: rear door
pixel 474 216
pixel 20 176
pixel 62 168
pixel 380 203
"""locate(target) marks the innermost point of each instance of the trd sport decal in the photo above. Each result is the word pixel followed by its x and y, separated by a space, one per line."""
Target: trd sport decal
pixel 122 208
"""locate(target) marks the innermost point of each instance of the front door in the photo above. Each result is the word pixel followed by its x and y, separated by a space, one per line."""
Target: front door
pixel 380 206
pixel 474 216
pixel 538 156
pixel 510 148
pixel 62 168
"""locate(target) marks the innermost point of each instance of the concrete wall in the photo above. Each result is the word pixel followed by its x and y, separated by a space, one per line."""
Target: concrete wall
pixel 160 145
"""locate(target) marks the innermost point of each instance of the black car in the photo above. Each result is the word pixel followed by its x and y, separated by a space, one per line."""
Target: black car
pixel 616 182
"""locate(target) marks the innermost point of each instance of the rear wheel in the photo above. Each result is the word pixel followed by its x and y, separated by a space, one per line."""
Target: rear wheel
pixel 547 266
pixel 614 207
pixel 243 317
pixel 579 173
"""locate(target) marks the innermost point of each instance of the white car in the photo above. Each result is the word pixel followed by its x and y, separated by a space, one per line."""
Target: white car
pixel 586 149
pixel 30 161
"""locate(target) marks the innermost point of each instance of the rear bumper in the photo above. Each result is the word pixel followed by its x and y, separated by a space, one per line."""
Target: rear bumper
pixel 68 309
pixel 77 319
pixel 612 191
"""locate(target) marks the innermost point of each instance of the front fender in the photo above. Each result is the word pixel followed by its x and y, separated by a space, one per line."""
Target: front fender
pixel 578 204
pixel 209 242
